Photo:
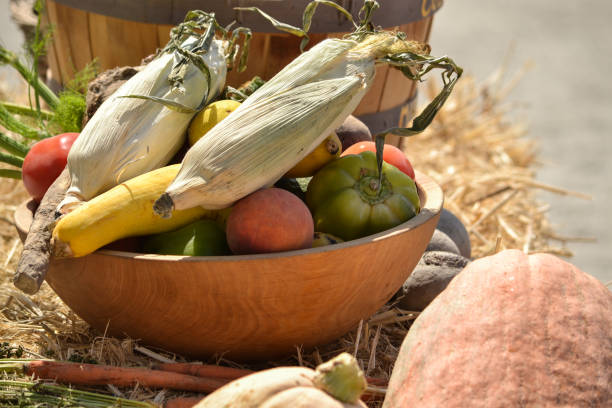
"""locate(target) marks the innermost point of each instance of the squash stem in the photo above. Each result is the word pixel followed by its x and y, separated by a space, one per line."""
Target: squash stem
pixel 342 378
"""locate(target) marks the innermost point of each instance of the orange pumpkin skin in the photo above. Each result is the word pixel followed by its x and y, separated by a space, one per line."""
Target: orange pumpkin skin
pixel 269 220
pixel 510 330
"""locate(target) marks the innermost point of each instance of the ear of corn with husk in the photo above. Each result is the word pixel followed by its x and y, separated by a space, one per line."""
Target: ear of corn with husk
pixel 292 113
pixel 270 132
pixel 142 125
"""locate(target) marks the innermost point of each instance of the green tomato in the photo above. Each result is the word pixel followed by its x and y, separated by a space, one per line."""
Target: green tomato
pixel 347 201
pixel 200 238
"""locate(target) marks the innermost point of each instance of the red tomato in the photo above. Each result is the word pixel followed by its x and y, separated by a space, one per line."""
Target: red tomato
pixel 44 163
pixel 391 155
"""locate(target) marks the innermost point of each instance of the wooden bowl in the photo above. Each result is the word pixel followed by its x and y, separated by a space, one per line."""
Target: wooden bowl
pixel 250 307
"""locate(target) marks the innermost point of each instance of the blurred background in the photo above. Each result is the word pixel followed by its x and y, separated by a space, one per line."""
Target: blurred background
pixel 563 50
pixel 12 38
pixel 565 98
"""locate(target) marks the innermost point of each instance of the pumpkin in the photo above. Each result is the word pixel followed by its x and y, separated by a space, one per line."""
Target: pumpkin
pixel 510 330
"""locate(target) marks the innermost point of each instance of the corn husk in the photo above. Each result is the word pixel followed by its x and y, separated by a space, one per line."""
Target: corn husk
pixel 142 125
pixel 280 123
pixel 127 137
pixel 271 127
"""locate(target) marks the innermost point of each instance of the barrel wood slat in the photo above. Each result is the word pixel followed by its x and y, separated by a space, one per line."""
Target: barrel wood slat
pixel 55 77
pixel 163 35
pixel 71 44
pixel 137 40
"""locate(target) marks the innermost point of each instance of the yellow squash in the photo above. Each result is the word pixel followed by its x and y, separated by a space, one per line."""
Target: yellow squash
pixel 328 150
pixel 123 211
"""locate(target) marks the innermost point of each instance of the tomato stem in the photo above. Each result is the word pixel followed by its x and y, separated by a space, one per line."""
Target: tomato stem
pixel 380 147
pixel 373 191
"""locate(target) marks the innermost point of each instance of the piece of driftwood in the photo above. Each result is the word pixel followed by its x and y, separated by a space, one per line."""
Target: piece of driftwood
pixel 36 254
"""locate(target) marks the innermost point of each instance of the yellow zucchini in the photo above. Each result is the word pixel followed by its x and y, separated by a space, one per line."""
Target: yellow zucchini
pixel 123 211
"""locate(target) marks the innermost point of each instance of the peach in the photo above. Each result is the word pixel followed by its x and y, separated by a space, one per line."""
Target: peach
pixel 269 220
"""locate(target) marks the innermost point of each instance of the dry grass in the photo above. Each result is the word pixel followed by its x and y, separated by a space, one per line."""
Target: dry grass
pixel 478 154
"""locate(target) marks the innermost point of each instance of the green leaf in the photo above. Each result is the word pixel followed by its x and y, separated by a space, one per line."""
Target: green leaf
pixel 365 14
pixel 22 110
pixel 415 66
pixel 424 119
pixel 309 11
pixel 13 146
pixel 12 124
pixel 11 159
pixel 70 111
pixel 175 106
pixel 7 173
pixel 40 394
pixel 7 57
pixel 275 23
pixel 311 8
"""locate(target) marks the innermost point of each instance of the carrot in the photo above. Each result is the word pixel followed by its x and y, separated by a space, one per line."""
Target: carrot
pixel 182 402
pixel 178 376
pixel 377 381
pixel 204 370
pixel 214 371
pixel 93 374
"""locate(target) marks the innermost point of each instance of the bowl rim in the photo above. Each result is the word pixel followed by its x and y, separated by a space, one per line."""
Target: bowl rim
pixel 430 207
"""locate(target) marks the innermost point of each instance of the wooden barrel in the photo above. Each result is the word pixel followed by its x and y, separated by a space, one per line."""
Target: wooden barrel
pixel 122 32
